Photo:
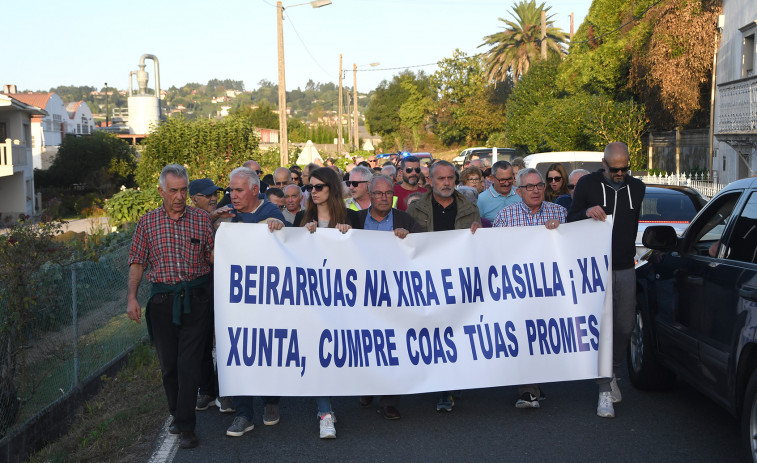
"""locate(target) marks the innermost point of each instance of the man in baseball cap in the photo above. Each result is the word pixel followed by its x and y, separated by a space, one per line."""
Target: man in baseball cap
pixel 204 194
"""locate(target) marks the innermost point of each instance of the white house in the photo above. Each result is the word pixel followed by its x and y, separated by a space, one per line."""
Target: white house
pixel 80 120
pixel 16 170
pixel 736 98
pixel 48 133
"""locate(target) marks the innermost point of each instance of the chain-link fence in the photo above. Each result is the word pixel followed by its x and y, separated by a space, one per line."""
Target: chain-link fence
pixel 77 325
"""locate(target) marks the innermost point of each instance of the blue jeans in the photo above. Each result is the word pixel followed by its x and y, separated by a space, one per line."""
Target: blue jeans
pixel 324 405
pixel 244 405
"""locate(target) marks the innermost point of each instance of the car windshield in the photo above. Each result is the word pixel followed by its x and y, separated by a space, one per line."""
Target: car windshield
pixel 667 206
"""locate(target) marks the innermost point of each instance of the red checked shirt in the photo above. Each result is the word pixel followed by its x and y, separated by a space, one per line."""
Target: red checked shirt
pixel 173 250
pixel 519 215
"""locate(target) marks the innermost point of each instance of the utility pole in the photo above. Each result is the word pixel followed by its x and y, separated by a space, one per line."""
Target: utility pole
pixel 571 27
pixel 339 113
pixel 355 138
pixel 107 120
pixel 283 148
pixel 543 34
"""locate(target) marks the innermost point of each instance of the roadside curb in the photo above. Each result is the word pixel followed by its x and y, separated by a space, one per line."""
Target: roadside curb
pixel 165 446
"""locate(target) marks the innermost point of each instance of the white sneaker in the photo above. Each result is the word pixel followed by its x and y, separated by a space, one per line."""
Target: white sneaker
pixel 605 408
pixel 617 397
pixel 328 431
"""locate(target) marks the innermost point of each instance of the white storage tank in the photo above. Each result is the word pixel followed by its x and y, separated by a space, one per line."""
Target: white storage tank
pixel 144 113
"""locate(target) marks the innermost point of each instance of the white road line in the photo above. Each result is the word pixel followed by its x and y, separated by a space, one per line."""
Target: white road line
pixel 167 446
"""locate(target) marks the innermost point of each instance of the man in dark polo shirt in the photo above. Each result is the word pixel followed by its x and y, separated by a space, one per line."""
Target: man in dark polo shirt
pixel 174 244
pixel 444 208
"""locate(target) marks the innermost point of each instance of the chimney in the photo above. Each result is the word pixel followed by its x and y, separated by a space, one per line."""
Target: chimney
pixel 9 88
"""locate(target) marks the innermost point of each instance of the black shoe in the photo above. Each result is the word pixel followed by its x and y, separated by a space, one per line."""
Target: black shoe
pixel 188 440
pixel 527 400
pixel 172 428
pixel 366 400
pixel 389 412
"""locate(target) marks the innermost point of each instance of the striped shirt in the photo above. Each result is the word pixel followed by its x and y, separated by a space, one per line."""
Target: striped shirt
pixel 520 215
pixel 173 250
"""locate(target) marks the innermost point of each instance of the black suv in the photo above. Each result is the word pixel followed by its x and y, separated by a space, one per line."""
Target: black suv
pixel 696 316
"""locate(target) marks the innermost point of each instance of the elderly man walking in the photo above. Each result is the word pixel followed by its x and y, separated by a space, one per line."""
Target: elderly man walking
pixel 531 211
pixel 611 191
pixel 174 244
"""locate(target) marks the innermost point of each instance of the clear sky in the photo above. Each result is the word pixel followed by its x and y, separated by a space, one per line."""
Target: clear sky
pixel 86 42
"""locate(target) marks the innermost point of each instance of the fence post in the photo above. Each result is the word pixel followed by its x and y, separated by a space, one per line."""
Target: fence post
pixel 75 319
pixel 650 152
pixel 678 150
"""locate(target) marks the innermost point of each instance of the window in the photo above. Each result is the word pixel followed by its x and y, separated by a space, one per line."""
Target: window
pixel 742 244
pixel 709 228
pixel 747 57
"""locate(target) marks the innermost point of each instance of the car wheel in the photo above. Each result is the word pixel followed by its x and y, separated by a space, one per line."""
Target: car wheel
pixel 749 419
pixel 643 368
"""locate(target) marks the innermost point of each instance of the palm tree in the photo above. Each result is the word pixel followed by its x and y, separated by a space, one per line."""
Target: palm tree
pixel 515 48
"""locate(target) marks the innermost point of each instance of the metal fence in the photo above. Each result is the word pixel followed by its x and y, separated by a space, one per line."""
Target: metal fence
pixel 81 327
pixel 699 182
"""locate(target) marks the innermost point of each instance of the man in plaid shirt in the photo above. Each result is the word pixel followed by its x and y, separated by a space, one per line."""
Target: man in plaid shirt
pixel 532 211
pixel 174 243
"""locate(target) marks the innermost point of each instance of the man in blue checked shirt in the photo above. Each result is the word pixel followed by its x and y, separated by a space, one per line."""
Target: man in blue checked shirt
pixel 532 211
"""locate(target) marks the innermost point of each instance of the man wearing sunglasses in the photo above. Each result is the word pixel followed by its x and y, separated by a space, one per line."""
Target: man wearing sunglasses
pixel 611 191
pixel 358 183
pixel 411 174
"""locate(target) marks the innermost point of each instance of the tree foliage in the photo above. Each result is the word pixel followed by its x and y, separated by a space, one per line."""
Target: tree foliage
pixel 206 148
pixel 101 161
pixel 673 69
pixel 468 108
pixel 515 49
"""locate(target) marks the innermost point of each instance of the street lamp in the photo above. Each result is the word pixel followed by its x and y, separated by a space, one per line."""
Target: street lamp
pixel 284 155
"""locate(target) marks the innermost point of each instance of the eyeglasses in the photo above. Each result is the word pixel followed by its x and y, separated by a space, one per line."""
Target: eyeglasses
pixel 571 186
pixel 473 179
pixel 382 194
pixel 259 172
pixel 206 196
pixel 530 187
pixel 315 186
pixel 615 170
pixel 355 183
pixel 282 183
pixel 410 170
pixel 554 179
pixel 504 180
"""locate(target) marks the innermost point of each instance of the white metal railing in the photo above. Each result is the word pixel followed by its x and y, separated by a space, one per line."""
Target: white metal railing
pixel 699 182
pixel 737 104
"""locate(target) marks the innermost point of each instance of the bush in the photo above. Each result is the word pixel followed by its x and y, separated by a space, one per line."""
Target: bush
pixel 130 204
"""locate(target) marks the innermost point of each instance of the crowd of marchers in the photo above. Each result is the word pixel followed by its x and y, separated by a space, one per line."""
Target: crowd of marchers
pixel 173 245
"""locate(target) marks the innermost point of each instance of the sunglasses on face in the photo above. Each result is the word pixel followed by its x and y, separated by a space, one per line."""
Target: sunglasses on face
pixel 295 179
pixel 355 183
pixel 554 179
pixel 259 172
pixel 571 186
pixel 410 170
pixel 315 186
pixel 615 170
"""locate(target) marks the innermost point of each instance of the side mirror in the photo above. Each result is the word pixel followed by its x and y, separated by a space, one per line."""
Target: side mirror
pixel 660 238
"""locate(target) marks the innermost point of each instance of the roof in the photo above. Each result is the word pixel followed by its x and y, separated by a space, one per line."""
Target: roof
pixel 72 107
pixel 11 101
pixel 35 99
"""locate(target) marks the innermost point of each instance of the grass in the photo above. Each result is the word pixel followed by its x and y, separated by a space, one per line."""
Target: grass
pixel 120 422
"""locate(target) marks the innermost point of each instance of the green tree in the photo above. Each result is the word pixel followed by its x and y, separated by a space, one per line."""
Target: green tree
pixel 468 108
pixel 517 47
pixel 207 148
pixel 101 161
pixel 382 116
pixel 262 117
pixel 414 111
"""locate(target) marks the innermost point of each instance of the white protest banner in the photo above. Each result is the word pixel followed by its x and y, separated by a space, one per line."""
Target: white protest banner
pixel 366 313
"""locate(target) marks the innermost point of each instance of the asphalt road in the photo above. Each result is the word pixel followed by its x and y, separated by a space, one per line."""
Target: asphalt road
pixel 680 425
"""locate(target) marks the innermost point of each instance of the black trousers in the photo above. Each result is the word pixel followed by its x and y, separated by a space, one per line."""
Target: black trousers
pixel 180 351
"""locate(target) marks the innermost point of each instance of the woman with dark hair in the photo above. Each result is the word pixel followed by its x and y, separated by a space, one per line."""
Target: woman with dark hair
pixel 325 209
pixel 557 182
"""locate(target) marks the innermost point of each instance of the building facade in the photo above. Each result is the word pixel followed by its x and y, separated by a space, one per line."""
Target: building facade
pixel 17 195
pixel 735 147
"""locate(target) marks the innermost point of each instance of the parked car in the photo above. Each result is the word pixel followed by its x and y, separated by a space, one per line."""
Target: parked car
pixel 425 158
pixel 667 205
pixel 696 313
pixel 482 152
pixel 589 160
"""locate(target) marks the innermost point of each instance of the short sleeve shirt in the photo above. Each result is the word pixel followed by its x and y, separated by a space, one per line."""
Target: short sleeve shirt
pixel 173 250
pixel 519 215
